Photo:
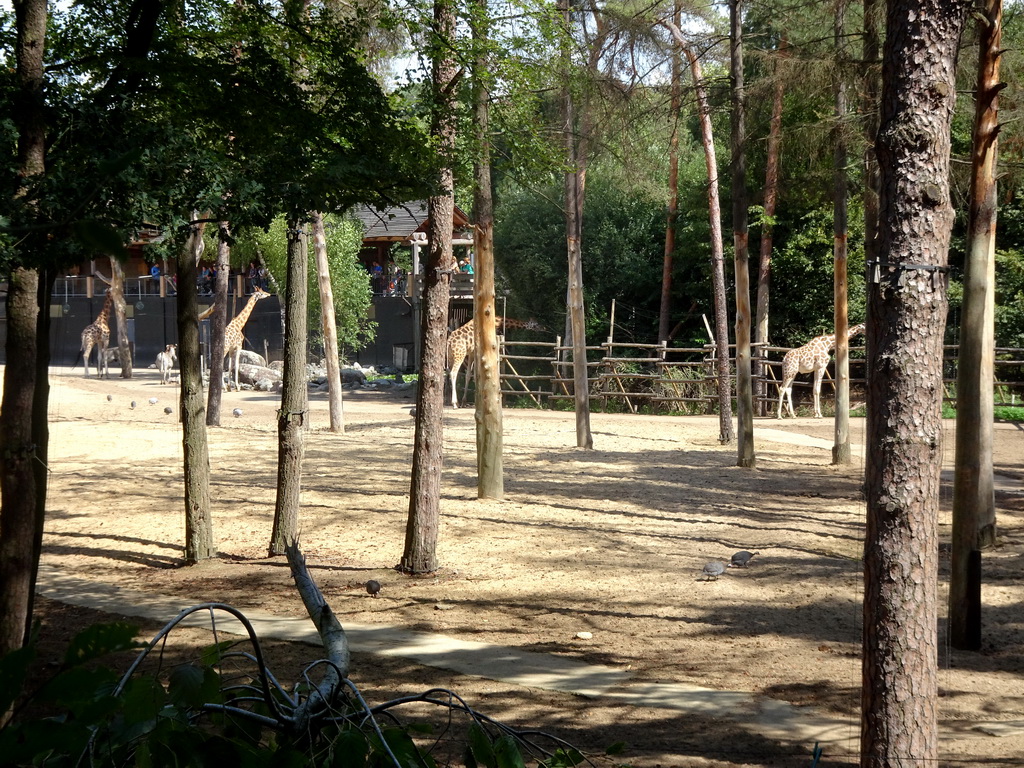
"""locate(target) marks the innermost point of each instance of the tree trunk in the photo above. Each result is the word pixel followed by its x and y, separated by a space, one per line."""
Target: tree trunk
pixel 573 211
pixel 489 461
pixel 22 498
pixel 124 352
pixel 291 419
pixel 17 454
pixel 841 445
pixel 907 312
pixel 741 259
pixel 218 323
pixel 717 244
pixel 764 270
pixel 665 315
pixel 870 86
pixel 974 512
pixel 421 531
pixel 198 522
pixel 329 324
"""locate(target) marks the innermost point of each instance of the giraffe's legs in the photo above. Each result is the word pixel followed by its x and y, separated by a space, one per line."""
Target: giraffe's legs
pixel 819 372
pixel 786 394
pixel 86 351
pixel 453 377
pixel 237 359
pixel 470 374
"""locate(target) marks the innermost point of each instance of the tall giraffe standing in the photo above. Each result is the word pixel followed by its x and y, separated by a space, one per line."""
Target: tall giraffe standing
pixel 462 345
pixel 233 334
pixel 97 334
pixel 812 356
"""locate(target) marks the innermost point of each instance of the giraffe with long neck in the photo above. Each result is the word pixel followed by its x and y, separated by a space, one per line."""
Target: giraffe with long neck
pixel 233 337
pixel 97 335
pixel 811 357
pixel 462 345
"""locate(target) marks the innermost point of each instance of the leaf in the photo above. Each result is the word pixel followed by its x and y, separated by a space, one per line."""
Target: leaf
pixel 100 640
pixel 13 670
pixel 114 165
pixel 480 745
pixel 213 654
pixel 506 750
pixel 349 750
pixel 193 686
pixel 97 236
pixel 618 748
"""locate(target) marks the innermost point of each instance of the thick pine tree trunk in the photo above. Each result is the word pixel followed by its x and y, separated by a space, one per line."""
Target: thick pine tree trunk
pixel 198 522
pixel 291 419
pixel 741 259
pixel 665 314
pixel 974 511
pixel 421 531
pixel 329 325
pixel 489 461
pixel 907 313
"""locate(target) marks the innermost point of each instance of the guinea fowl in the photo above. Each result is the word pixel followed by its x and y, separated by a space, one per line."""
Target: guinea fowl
pixel 741 558
pixel 713 570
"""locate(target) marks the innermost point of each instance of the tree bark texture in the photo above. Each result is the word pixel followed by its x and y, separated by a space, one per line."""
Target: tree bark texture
pixel 907 311
pixel 764 268
pixel 291 419
pixel 974 511
pixel 218 323
pixel 741 259
pixel 117 292
pixel 22 497
pixel 329 324
pixel 198 522
pixel 870 88
pixel 421 531
pixel 841 445
pixel 489 447
pixel 17 455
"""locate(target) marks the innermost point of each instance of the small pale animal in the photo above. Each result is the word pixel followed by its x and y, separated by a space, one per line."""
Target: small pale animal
pixel 165 362
pixel 153 401
pixel 236 412
pixel 741 558
pixel 133 405
pixel 168 410
pixel 372 587
pixel 713 570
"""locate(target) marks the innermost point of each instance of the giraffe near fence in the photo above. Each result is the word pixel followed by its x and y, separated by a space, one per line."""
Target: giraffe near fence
pixel 462 345
pixel 97 335
pixel 233 337
pixel 811 357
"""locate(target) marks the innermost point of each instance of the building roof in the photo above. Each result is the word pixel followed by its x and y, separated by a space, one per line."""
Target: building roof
pixel 398 223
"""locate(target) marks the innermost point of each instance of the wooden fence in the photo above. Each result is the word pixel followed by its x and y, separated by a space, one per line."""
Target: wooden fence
pixel 655 377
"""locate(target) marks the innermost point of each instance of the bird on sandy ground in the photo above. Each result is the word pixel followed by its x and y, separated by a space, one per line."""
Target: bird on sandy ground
pixel 372 587
pixel 713 570
pixel 741 558
pixel 153 401
pixel 133 405
pixel 168 410
pixel 236 412
pixel 110 398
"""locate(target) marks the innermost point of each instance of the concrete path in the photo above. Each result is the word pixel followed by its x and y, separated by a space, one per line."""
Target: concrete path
pixel 777 720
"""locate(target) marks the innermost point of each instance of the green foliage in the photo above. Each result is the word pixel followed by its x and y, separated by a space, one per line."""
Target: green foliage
pixel 350 283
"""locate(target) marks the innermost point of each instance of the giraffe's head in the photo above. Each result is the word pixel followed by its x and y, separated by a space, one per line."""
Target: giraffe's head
pixel 855 331
pixel 259 293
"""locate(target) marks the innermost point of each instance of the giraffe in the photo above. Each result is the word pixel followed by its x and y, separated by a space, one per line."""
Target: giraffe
pixel 462 345
pixel 233 334
pixel 812 356
pixel 97 334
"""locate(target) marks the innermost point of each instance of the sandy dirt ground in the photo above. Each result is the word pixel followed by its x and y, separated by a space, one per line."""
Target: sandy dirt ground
pixel 609 541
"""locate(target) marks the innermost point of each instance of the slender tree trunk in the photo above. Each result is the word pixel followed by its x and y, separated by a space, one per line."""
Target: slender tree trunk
pixel 665 315
pixel 22 498
pixel 841 445
pixel 291 419
pixel 218 323
pixel 764 270
pixel 117 292
pixel 870 88
pixel 974 512
pixel 329 324
pixel 489 461
pixel 717 243
pixel 421 531
pixel 198 522
pixel 741 259
pixel 907 303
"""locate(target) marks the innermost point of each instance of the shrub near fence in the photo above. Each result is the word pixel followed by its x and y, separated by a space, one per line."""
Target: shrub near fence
pixel 658 378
